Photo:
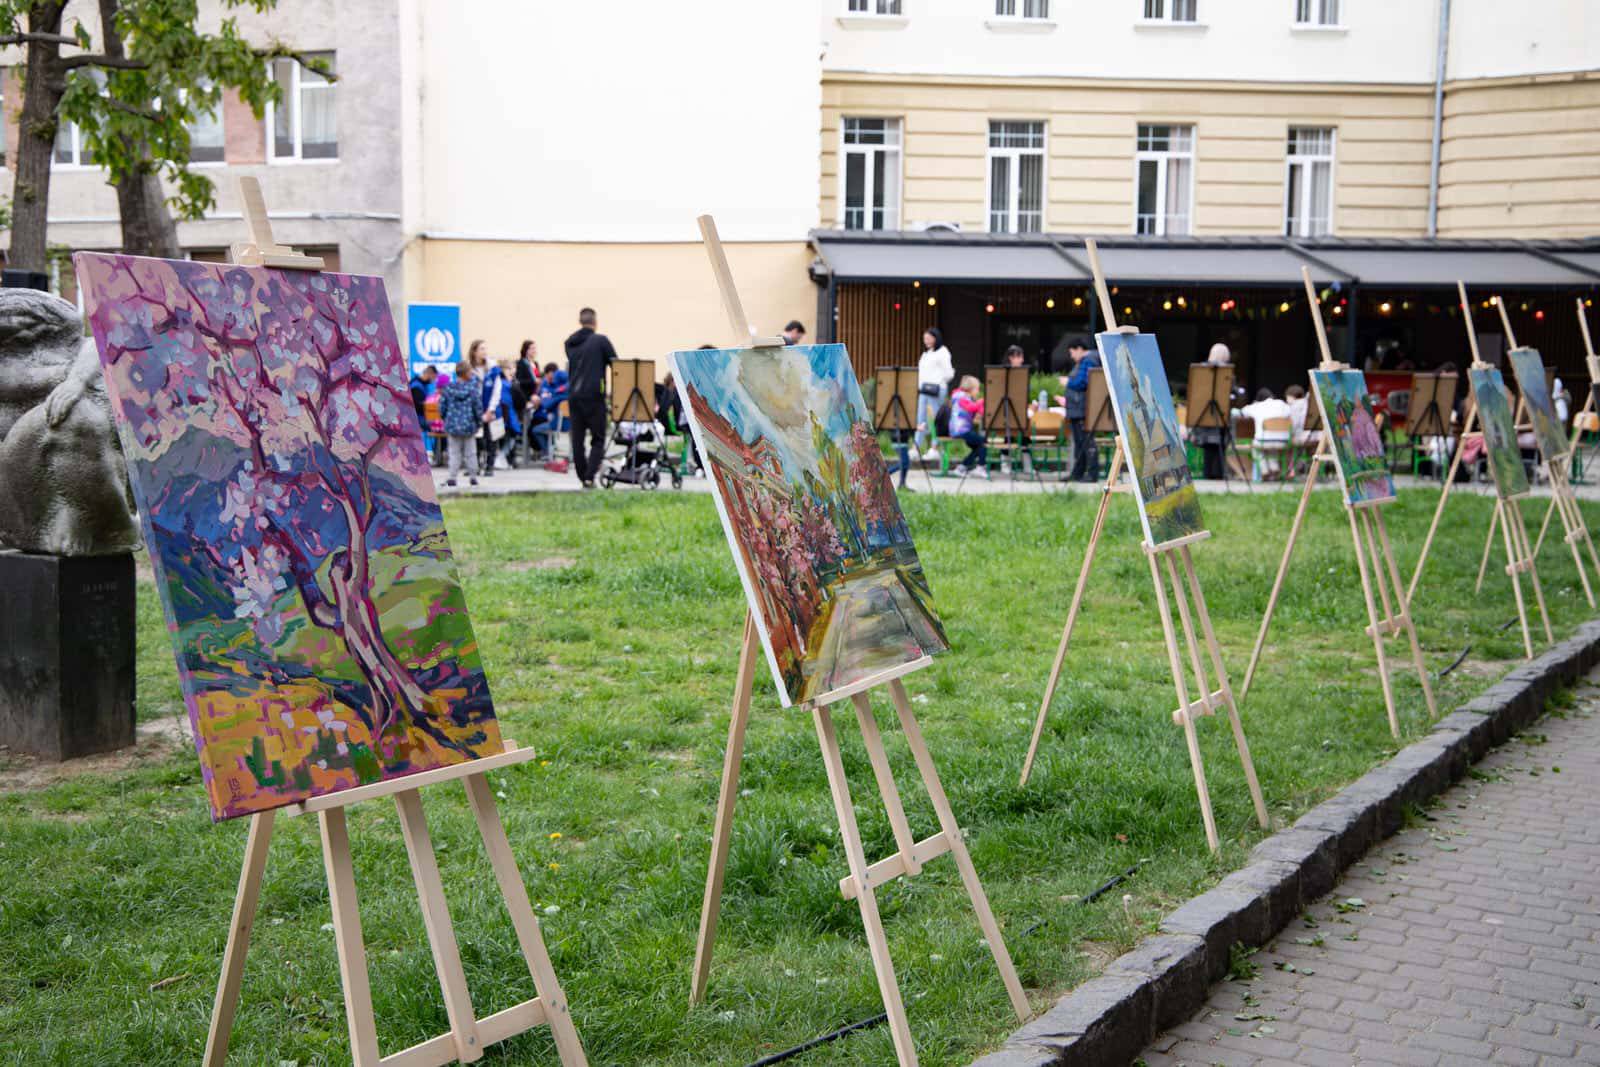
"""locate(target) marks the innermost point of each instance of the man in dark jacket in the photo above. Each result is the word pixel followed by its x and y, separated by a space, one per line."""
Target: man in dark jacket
pixel 589 356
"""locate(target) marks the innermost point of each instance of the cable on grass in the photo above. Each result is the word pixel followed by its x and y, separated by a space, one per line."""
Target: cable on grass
pixel 1459 660
pixel 817 1042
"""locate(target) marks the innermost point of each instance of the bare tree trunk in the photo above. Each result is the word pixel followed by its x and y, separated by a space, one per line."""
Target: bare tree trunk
pixel 43 86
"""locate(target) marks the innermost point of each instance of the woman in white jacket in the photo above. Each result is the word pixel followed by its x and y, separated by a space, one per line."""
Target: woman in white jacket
pixel 934 374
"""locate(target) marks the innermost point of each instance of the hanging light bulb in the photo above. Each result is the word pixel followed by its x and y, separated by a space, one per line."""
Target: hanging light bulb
pixel 1077 301
pixel 1127 310
pixel 932 301
pixel 1539 314
pixel 989 308
pixel 1405 305
pixel 1386 307
pixel 1524 305
pixel 1050 302
pixel 1182 302
pixel 1338 309
pixel 1284 306
pixel 897 305
pixel 916 285
pixel 1166 305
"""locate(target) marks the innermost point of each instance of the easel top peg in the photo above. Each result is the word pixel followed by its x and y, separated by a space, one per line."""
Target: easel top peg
pixel 261 250
pixel 1472 334
pixel 731 304
pixel 1505 321
pixel 1315 304
pixel 1102 294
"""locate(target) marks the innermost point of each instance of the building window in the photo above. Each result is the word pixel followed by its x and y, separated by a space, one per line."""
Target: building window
pixel 206 142
pixel 1170 10
pixel 871 174
pixel 70 149
pixel 1316 12
pixel 1028 9
pixel 1165 160
pixel 1308 195
pixel 873 7
pixel 1016 177
pixel 304 124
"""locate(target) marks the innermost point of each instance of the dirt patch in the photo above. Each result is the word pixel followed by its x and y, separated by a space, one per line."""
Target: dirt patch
pixel 1098 954
pixel 152 741
pixel 548 563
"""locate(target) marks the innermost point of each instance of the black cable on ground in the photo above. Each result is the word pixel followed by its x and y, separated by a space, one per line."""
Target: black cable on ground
pixel 1459 660
pixel 817 1042
pixel 1509 624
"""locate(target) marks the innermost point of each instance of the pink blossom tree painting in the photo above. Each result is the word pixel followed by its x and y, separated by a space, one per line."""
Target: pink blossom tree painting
pixel 322 637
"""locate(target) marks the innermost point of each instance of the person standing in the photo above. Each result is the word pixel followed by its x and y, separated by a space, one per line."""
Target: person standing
pixel 934 374
pixel 461 411
pixel 589 356
pixel 525 377
pixel 794 333
pixel 421 385
pixel 1085 452
pixel 1213 440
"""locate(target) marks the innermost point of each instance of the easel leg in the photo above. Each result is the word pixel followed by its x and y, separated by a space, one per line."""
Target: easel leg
pixel 1444 495
pixel 1520 533
pixel 1189 736
pixel 873 740
pixel 1227 690
pixel 557 1011
pixel 347 938
pixel 1572 522
pixel 1283 571
pixel 1488 541
pixel 244 917
pixel 1373 621
pixel 1072 612
pixel 1544 526
pixel 866 897
pixel 1513 558
pixel 1393 573
pixel 727 797
pixel 958 849
pixel 436 921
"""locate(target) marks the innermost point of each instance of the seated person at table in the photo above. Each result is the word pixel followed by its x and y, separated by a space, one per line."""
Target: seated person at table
pixel 1299 406
pixel 1272 442
pixel 545 412
pixel 966 417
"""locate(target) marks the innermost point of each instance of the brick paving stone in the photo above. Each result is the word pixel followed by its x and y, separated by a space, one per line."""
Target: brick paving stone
pixel 1478 940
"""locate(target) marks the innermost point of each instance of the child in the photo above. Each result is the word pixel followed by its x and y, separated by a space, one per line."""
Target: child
pixel 966 410
pixel 461 410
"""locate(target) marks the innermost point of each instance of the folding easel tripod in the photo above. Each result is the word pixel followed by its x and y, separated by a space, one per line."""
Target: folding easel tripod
pixel 864 878
pixel 1011 424
pixel 1165 560
pixel 896 419
pixel 1593 362
pixel 1374 555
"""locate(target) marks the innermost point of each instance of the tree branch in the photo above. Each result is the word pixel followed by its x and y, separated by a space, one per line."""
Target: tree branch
pixel 23 37
pixel 99 59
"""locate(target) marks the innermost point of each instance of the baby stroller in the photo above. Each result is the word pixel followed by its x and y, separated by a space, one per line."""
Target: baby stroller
pixel 644 457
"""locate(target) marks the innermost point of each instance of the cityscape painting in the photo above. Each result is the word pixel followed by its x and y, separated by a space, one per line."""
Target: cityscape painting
pixel 1141 399
pixel 1357 445
pixel 817 534
pixel 300 555
pixel 1499 434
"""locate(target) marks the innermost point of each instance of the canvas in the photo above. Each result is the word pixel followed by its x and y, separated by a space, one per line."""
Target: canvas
pixel 826 558
pixel 1169 506
pixel 1499 435
pixel 299 552
pixel 1528 366
pixel 1358 449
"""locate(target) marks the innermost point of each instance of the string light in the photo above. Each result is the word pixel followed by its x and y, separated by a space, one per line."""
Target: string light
pixel 1338 309
pixel 1284 306
pixel 916 285
pixel 989 308
pixel 1127 311
pixel 1182 302
pixel 932 301
pixel 1050 303
pixel 1539 315
pixel 897 305
pixel 1386 307
pixel 1077 301
pixel 1405 305
pixel 1166 305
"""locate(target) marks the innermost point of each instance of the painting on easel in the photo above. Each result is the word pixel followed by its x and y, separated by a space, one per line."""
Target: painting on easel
pixel 1169 505
pixel 1357 445
pixel 322 637
pixel 827 561
pixel 1528 368
pixel 1499 433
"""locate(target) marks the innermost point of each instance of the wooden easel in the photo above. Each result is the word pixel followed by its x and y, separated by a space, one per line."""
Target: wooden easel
pixel 1371 539
pixel 467 1036
pixel 864 878
pixel 1593 362
pixel 1164 557
pixel 1519 551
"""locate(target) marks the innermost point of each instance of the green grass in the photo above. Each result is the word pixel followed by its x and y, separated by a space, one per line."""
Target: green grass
pixel 610 625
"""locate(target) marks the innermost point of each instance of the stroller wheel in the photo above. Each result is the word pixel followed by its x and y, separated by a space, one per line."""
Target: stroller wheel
pixel 608 480
pixel 677 480
pixel 649 478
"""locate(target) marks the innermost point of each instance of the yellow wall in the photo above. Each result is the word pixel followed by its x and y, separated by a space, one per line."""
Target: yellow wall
pixel 651 298
pixel 1521 158
pixel 1380 176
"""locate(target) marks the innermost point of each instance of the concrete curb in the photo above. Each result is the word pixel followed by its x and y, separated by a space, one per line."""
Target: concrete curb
pixel 1110 1019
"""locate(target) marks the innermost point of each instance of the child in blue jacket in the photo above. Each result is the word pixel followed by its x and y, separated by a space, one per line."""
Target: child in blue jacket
pixel 461 411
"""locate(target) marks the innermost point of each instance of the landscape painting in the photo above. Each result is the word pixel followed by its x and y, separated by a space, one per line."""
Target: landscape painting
pixel 300 555
pixel 1528 367
pixel 1169 505
pixel 826 558
pixel 1358 449
pixel 1499 434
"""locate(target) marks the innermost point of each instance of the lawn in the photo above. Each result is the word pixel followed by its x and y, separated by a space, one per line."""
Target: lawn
pixel 609 624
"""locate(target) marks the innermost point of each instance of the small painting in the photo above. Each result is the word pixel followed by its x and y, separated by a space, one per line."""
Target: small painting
pixel 1169 505
pixel 1499 434
pixel 1358 449
pixel 1528 367
pixel 826 558
pixel 300 555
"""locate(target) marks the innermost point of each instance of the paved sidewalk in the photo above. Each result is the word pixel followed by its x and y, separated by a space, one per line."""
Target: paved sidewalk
pixel 1473 937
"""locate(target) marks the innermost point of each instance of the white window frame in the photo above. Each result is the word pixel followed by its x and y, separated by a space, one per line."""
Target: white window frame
pixel 1166 12
pixel 1013 202
pixel 292 92
pixel 1023 10
pixel 223 126
pixel 1304 161
pixel 76 162
pixel 889 9
pixel 1163 160
pixel 1319 14
pixel 895 195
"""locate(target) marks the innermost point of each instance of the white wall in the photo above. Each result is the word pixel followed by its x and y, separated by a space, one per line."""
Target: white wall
pixel 619 121
pixel 1236 40
pixel 1491 38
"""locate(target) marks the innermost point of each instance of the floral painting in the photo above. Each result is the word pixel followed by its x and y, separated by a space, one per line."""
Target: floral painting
pixel 1141 399
pixel 827 561
pixel 1528 368
pixel 299 552
pixel 1358 449
pixel 1499 434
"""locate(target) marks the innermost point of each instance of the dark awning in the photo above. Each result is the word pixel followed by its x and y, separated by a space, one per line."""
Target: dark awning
pixel 945 256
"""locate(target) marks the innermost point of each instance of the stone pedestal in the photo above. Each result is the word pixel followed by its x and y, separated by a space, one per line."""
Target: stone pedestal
pixel 66 654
